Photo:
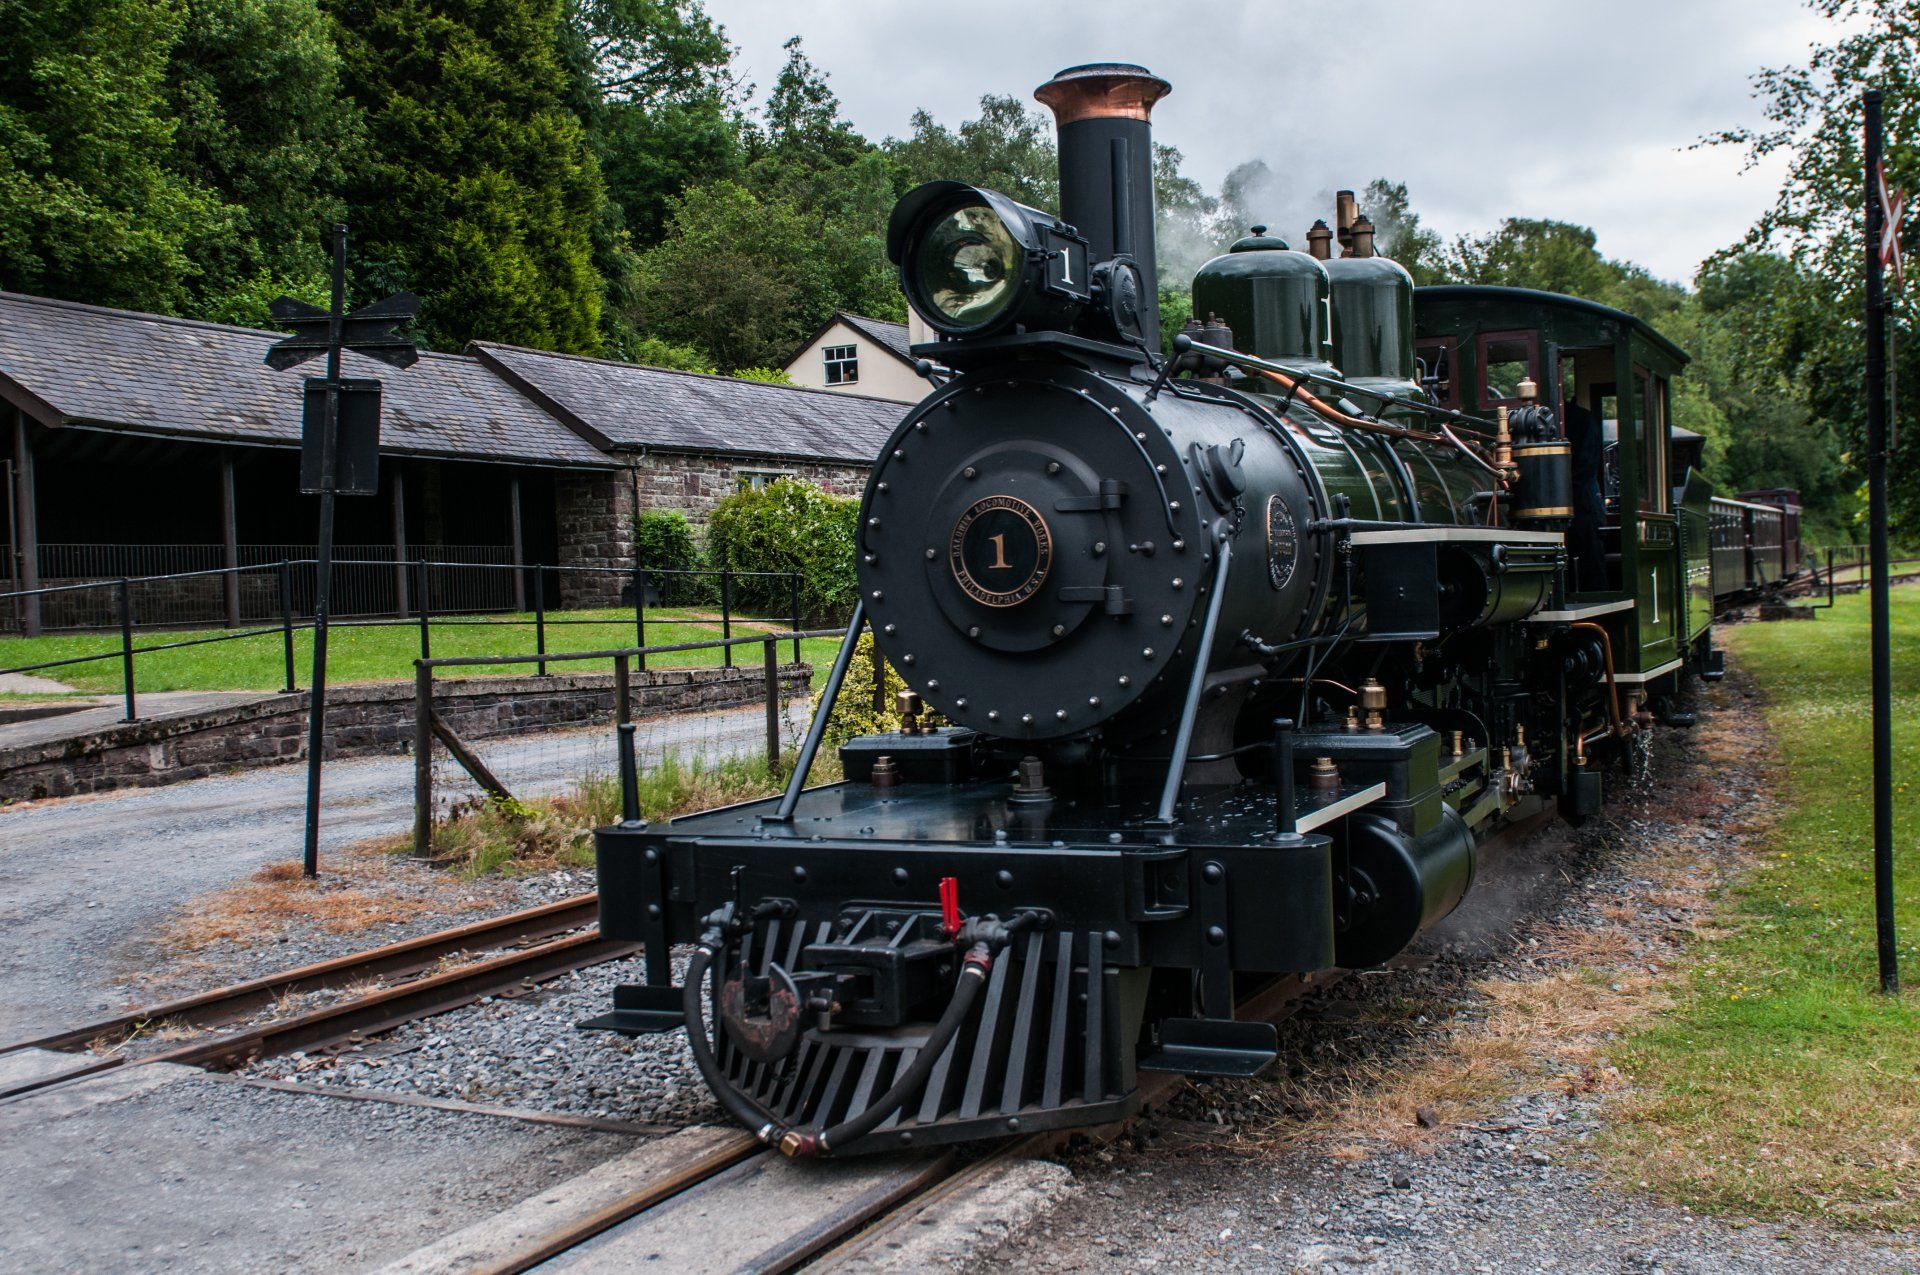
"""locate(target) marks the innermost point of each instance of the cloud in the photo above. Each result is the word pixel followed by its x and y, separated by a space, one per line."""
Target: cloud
pixel 1580 111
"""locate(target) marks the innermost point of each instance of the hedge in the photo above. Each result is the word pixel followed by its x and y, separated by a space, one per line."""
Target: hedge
pixel 788 526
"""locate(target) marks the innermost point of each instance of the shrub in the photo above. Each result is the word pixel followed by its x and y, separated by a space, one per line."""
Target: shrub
pixel 788 526
pixel 664 538
pixel 853 712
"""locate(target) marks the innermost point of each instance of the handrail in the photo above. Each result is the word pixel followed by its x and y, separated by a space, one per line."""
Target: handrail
pixel 459 661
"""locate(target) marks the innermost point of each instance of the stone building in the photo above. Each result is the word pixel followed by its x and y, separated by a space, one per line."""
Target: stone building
pixel 684 440
pixel 142 445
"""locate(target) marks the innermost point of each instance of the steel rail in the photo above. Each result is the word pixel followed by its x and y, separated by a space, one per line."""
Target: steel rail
pixel 423 996
pixel 407 958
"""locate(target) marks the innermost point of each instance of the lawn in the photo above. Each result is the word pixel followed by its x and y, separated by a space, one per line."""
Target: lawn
pixel 384 652
pixel 1781 1081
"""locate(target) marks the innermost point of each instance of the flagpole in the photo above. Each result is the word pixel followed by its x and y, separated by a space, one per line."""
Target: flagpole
pixel 1878 607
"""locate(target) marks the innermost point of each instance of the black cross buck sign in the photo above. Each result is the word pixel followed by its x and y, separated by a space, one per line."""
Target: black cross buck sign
pixel 371 330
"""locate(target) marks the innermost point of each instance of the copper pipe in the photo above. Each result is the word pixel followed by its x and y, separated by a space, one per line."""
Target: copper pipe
pixel 1338 417
pixel 1321 681
pixel 1613 687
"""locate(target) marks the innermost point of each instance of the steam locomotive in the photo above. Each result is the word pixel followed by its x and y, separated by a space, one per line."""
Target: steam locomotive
pixel 1221 665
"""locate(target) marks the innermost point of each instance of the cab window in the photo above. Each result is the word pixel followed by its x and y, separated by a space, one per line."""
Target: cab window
pixel 1650 439
pixel 1505 359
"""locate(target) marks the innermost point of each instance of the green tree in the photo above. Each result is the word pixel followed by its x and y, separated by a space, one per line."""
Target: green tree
pixel 812 160
pixel 1399 234
pixel 736 278
pixel 92 205
pixel 263 123
pixel 1006 147
pixel 1813 115
pixel 1184 237
pixel 479 189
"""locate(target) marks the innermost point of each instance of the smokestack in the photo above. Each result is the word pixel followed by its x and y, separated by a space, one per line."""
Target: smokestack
pixel 1345 209
pixel 1101 112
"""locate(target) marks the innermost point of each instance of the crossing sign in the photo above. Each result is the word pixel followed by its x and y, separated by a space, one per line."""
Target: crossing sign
pixel 1893 207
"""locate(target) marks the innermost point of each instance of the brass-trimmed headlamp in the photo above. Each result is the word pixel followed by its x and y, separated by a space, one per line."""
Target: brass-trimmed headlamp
pixel 974 262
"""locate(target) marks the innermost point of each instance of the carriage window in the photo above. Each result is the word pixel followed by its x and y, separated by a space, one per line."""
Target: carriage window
pixel 1650 439
pixel 1506 359
pixel 1439 359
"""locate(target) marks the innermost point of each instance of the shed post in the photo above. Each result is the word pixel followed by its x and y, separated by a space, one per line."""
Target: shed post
pixel 26 532
pixel 397 476
pixel 230 539
pixel 519 545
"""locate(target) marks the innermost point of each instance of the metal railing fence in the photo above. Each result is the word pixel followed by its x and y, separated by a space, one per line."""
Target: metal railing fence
pixel 430 727
pixel 275 600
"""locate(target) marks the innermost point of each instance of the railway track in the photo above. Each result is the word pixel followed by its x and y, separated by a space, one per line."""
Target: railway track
pixel 418 977
pixel 730 1204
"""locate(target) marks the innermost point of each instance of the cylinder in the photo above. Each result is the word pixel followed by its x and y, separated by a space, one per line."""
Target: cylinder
pixel 1101 112
pixel 1402 884
pixel 1544 494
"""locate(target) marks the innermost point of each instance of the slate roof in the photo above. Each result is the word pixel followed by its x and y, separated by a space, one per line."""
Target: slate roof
pixel 83 365
pixel 880 331
pixel 626 406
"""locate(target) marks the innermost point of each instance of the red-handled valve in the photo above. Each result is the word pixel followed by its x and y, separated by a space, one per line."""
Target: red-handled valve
pixel 950 906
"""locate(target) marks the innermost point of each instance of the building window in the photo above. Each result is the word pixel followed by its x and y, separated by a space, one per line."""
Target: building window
pixel 755 479
pixel 843 364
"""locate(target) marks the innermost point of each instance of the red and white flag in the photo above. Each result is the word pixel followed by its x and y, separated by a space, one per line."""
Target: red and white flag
pixel 1892 209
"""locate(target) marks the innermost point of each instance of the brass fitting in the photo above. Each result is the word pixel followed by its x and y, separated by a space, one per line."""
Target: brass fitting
pixel 1323 775
pixel 1353 717
pixel 1373 698
pixel 1503 447
pixel 1457 741
pixel 885 773
pixel 907 704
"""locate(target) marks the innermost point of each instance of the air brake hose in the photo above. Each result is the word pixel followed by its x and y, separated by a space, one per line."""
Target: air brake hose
pixel 975 967
pixel 732 1099
pixel 973 976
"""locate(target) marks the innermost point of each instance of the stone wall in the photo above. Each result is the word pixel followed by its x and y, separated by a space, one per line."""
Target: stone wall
pixel 363 721
pixel 595 511
pixel 695 484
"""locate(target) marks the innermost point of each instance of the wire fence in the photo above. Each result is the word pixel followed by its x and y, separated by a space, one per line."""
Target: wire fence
pixel 114 632
pixel 731 723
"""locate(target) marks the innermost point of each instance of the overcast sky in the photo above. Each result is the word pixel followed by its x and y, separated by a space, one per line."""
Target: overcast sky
pixel 1578 111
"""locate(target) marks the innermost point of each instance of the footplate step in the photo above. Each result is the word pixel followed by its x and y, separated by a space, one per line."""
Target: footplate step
pixel 1213 1047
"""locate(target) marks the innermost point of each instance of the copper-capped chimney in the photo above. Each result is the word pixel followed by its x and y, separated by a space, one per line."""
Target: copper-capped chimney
pixel 1345 209
pixel 1101 112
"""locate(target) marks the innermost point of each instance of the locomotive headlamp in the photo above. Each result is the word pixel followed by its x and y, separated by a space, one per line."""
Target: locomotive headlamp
pixel 974 262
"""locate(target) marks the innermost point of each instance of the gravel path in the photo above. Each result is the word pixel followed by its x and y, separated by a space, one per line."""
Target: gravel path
pixel 84 881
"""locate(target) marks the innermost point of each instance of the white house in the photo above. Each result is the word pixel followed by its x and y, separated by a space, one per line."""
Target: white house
pixel 858 355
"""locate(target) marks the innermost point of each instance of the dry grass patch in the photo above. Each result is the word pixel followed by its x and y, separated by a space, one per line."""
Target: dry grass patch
pixel 353 894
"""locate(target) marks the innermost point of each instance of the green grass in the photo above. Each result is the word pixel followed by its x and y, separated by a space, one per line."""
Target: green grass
pixel 378 653
pixel 1780 1081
